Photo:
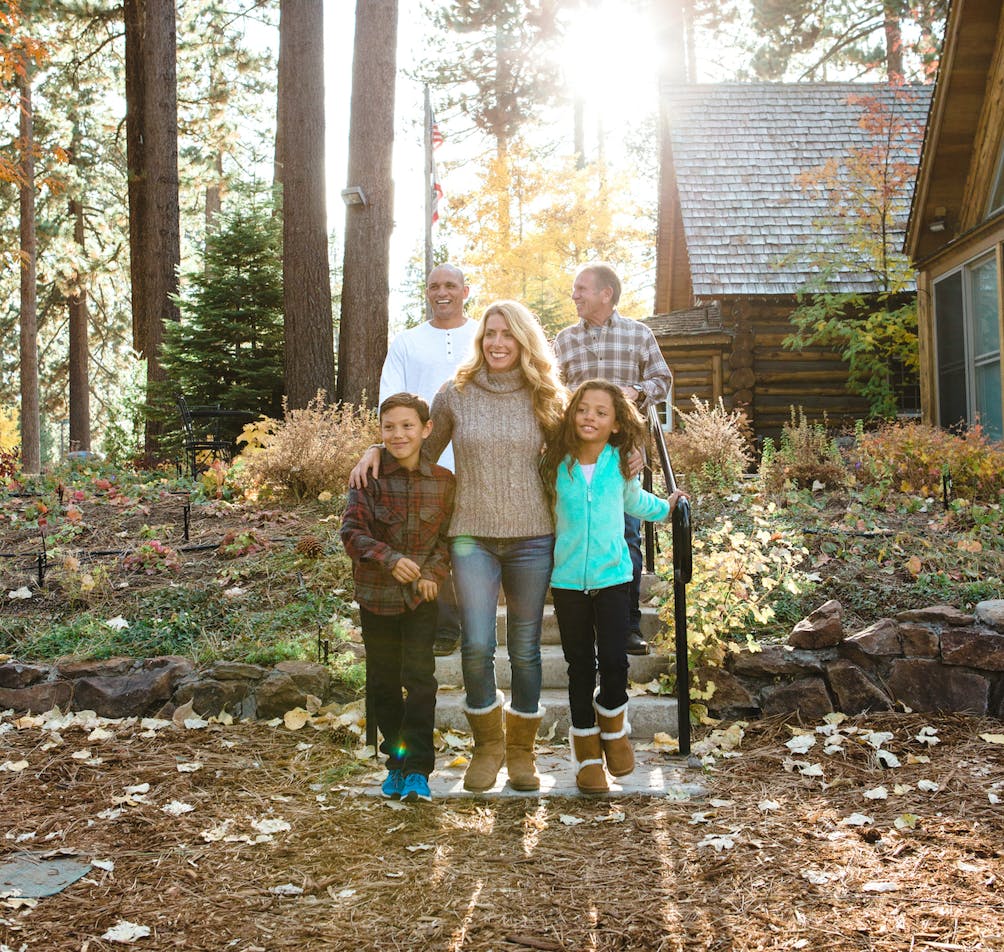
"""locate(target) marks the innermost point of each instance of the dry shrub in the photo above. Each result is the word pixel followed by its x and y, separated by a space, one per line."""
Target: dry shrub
pixel 913 457
pixel 805 456
pixel 713 448
pixel 311 451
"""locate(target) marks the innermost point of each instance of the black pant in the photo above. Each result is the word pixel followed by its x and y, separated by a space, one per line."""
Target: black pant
pixel 594 629
pixel 399 655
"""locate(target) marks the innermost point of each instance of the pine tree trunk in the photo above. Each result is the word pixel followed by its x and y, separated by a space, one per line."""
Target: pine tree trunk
pixel 31 456
pixel 152 149
pixel 80 397
pixel 893 43
pixel 362 340
pixel 309 354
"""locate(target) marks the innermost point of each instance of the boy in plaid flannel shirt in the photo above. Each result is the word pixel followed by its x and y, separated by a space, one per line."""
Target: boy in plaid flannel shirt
pixel 395 532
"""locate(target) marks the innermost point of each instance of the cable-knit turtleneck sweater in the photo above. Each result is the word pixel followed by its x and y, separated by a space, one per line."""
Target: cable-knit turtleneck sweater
pixel 496 446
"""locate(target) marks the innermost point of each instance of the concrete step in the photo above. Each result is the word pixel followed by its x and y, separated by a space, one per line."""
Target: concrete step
pixel 549 635
pixel 554 670
pixel 648 714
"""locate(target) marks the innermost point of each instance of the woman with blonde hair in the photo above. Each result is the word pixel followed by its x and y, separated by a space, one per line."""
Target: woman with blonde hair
pixel 502 406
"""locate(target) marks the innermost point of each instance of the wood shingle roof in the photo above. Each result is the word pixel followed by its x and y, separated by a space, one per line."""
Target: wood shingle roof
pixel 738 152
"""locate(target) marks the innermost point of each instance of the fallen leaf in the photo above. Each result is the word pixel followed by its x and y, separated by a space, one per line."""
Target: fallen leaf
pixel 270 825
pixel 286 889
pixel 189 767
pixel 570 820
pixel 811 770
pixel 126 932
pixel 929 736
pixel 879 886
pixel 928 786
pixel 815 877
pixel 801 744
pixel 14 766
pixel 887 758
pixel 177 808
pixel 718 841
pixel 20 593
pixel 419 847
pixel 857 819
pixel 459 761
pixel 993 738
pixel 296 718
pixel 914 565
pixel 877 793
pixel 106 864
pixel 118 623
pixel 767 805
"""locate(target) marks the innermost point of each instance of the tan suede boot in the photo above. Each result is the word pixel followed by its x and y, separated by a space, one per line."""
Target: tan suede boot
pixel 520 733
pixel 614 730
pixel 587 759
pixel 489 746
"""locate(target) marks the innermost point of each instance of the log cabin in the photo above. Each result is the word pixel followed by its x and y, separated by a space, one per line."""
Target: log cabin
pixel 738 227
pixel 955 235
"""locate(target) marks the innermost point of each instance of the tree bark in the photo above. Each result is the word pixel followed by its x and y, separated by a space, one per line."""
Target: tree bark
pixel 80 396
pixel 362 340
pixel 152 156
pixel 309 351
pixel 31 455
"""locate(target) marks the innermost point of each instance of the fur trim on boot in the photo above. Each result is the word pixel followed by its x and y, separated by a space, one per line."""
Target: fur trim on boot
pixel 587 759
pixel 614 730
pixel 489 746
pixel 520 733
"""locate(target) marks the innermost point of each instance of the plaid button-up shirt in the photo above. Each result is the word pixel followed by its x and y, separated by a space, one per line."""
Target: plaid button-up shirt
pixel 401 513
pixel 623 351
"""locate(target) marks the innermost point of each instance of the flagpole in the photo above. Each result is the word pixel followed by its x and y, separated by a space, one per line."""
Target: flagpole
pixel 428 185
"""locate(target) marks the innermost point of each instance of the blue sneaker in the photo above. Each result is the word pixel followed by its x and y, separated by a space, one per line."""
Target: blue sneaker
pixel 391 787
pixel 416 787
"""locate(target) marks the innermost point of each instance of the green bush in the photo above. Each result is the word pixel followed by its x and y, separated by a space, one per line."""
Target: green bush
pixel 806 455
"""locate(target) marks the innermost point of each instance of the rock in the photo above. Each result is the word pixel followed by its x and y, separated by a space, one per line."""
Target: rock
pixel 210 696
pixel 973 647
pixel 807 697
pixel 991 614
pixel 930 686
pixel 937 614
pixel 309 677
pixel 14 674
pixel 919 641
pixel 277 694
pixel 730 694
pixel 38 698
pixel 236 671
pixel 822 628
pixel 775 660
pixel 136 694
pixel 879 640
pixel 101 668
pixel 855 692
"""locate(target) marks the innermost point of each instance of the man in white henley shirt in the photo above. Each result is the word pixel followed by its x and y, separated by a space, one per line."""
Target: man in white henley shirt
pixel 420 360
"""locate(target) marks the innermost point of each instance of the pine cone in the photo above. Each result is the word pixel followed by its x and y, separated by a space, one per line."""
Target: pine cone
pixel 310 547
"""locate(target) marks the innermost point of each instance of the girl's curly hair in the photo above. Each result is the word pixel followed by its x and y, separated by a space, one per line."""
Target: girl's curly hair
pixel 631 434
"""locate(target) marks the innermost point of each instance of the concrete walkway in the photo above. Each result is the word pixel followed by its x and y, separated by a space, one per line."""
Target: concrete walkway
pixel 656 774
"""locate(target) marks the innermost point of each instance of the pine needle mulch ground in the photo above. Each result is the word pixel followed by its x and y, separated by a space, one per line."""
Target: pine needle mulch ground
pixel 877 833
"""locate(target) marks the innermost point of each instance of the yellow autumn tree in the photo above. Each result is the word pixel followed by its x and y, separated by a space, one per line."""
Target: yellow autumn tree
pixel 535 219
pixel 8 428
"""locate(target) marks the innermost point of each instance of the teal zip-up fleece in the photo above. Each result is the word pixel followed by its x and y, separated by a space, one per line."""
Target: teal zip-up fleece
pixel 589 547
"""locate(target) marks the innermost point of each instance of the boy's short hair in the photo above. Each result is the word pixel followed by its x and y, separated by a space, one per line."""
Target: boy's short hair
pixel 411 401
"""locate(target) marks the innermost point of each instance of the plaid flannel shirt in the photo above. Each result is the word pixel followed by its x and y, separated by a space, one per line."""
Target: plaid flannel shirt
pixel 401 513
pixel 623 351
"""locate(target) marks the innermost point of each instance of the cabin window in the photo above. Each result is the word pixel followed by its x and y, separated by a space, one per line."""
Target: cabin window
pixel 967 338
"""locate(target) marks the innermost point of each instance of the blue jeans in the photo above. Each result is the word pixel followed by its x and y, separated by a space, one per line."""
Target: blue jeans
pixel 523 569
pixel 632 535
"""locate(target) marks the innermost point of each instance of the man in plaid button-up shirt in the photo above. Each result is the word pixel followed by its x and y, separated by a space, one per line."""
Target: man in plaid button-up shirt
pixel 611 347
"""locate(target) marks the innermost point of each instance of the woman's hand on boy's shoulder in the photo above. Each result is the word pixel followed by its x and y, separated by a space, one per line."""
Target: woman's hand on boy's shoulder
pixel 369 464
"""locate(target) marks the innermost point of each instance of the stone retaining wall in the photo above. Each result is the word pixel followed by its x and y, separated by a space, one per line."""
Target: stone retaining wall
pixel 124 687
pixel 928 659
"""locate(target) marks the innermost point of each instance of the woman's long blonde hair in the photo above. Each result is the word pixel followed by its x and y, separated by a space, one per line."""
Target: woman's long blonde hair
pixel 535 360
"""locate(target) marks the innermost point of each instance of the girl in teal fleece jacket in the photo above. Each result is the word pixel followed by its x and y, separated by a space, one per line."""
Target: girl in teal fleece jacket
pixel 586 474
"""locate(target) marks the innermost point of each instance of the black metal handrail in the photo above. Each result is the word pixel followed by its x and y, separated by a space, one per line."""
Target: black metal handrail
pixel 683 564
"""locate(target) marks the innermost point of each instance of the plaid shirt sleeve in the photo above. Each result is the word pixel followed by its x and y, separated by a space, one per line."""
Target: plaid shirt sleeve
pixel 656 377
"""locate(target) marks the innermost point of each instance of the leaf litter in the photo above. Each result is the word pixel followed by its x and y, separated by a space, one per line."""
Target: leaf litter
pixel 278 852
